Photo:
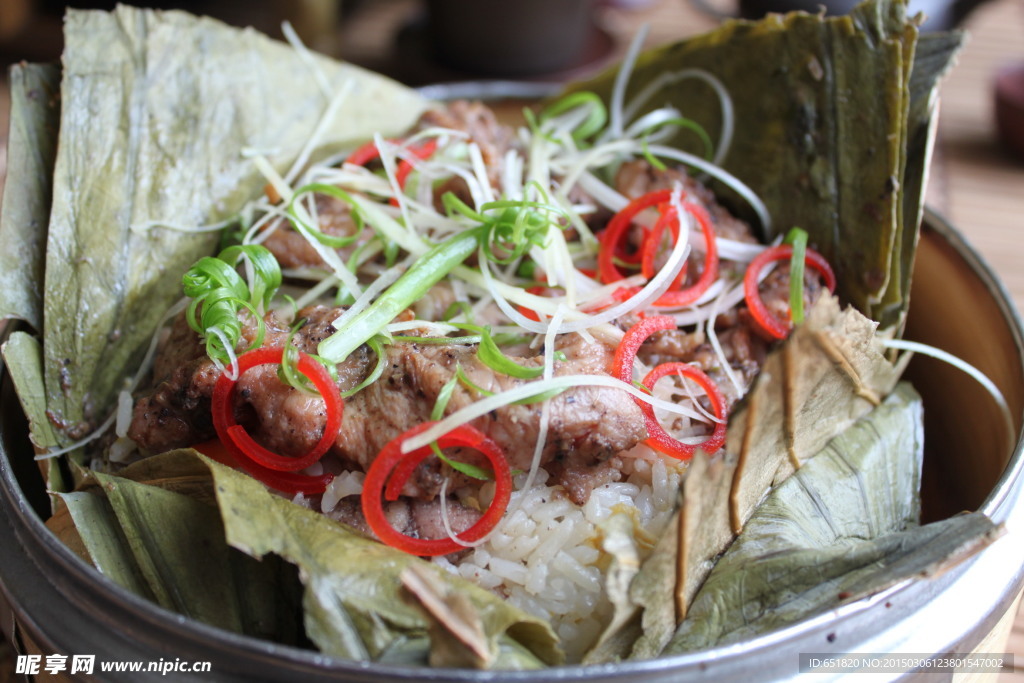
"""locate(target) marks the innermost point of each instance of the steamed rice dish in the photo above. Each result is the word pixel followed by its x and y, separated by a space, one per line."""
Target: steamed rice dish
pixel 504 393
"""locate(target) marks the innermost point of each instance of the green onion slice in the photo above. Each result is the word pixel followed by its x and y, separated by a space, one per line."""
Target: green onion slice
pixel 596 119
pixel 333 241
pixel 685 124
pixel 213 283
pixel 443 397
pixel 376 344
pixel 797 238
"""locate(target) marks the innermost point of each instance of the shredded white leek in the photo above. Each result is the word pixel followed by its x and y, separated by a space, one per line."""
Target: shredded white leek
pixel 385 280
pixel 271 175
pixel 616 114
pixel 446 521
pixel 712 335
pixel 978 376
pixel 545 413
pixel 480 173
pixel 316 291
pixel 326 121
pixel 529 390
pixel 306 56
pixel 231 370
pixel 721 174
pixel 725 102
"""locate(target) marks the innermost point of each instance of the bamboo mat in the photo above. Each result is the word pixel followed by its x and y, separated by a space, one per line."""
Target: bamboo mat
pixel 975 183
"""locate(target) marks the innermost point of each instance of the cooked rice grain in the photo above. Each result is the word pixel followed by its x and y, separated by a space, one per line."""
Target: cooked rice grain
pixel 545 557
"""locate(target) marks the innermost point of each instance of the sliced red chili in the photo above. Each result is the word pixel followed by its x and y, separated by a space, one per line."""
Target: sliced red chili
pixel 364 154
pixel 768 322
pixel 238 440
pixel 392 468
pixel 662 441
pixel 286 482
pixel 652 241
pixel 622 368
pixel 368 152
pixel 422 151
pixel 669 219
pixel 616 230
pixel 625 352
pixel 538 290
pixel 684 297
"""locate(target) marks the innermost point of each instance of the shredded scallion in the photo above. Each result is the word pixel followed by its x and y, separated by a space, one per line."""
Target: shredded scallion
pixel 797 239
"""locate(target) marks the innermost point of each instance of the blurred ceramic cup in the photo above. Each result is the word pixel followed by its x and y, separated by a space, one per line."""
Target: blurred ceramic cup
pixel 517 39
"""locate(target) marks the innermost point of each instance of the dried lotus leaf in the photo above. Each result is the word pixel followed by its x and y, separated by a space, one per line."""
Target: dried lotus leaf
pixel 31 148
pixel 62 524
pixel 87 519
pixel 354 603
pixel 23 359
pixel 169 547
pixel 793 409
pixel 625 627
pixel 705 531
pixel 934 56
pixel 158 525
pixel 177 471
pixel 825 536
pixel 158 108
pixel 457 637
pixel 831 131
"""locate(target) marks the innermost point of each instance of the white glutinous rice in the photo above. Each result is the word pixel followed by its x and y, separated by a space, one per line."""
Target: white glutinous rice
pixel 546 556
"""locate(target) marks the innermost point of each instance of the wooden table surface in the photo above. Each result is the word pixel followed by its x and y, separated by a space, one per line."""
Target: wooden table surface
pixel 975 182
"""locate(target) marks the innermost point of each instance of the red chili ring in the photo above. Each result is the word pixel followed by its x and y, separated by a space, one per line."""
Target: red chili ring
pixel 364 154
pixel 662 441
pixel 771 325
pixel 391 461
pixel 621 255
pixel 617 227
pixel 649 248
pixel 368 152
pixel 422 151
pixel 238 440
pixel 687 296
pixel 625 352
pixel 286 482
pixel 529 312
